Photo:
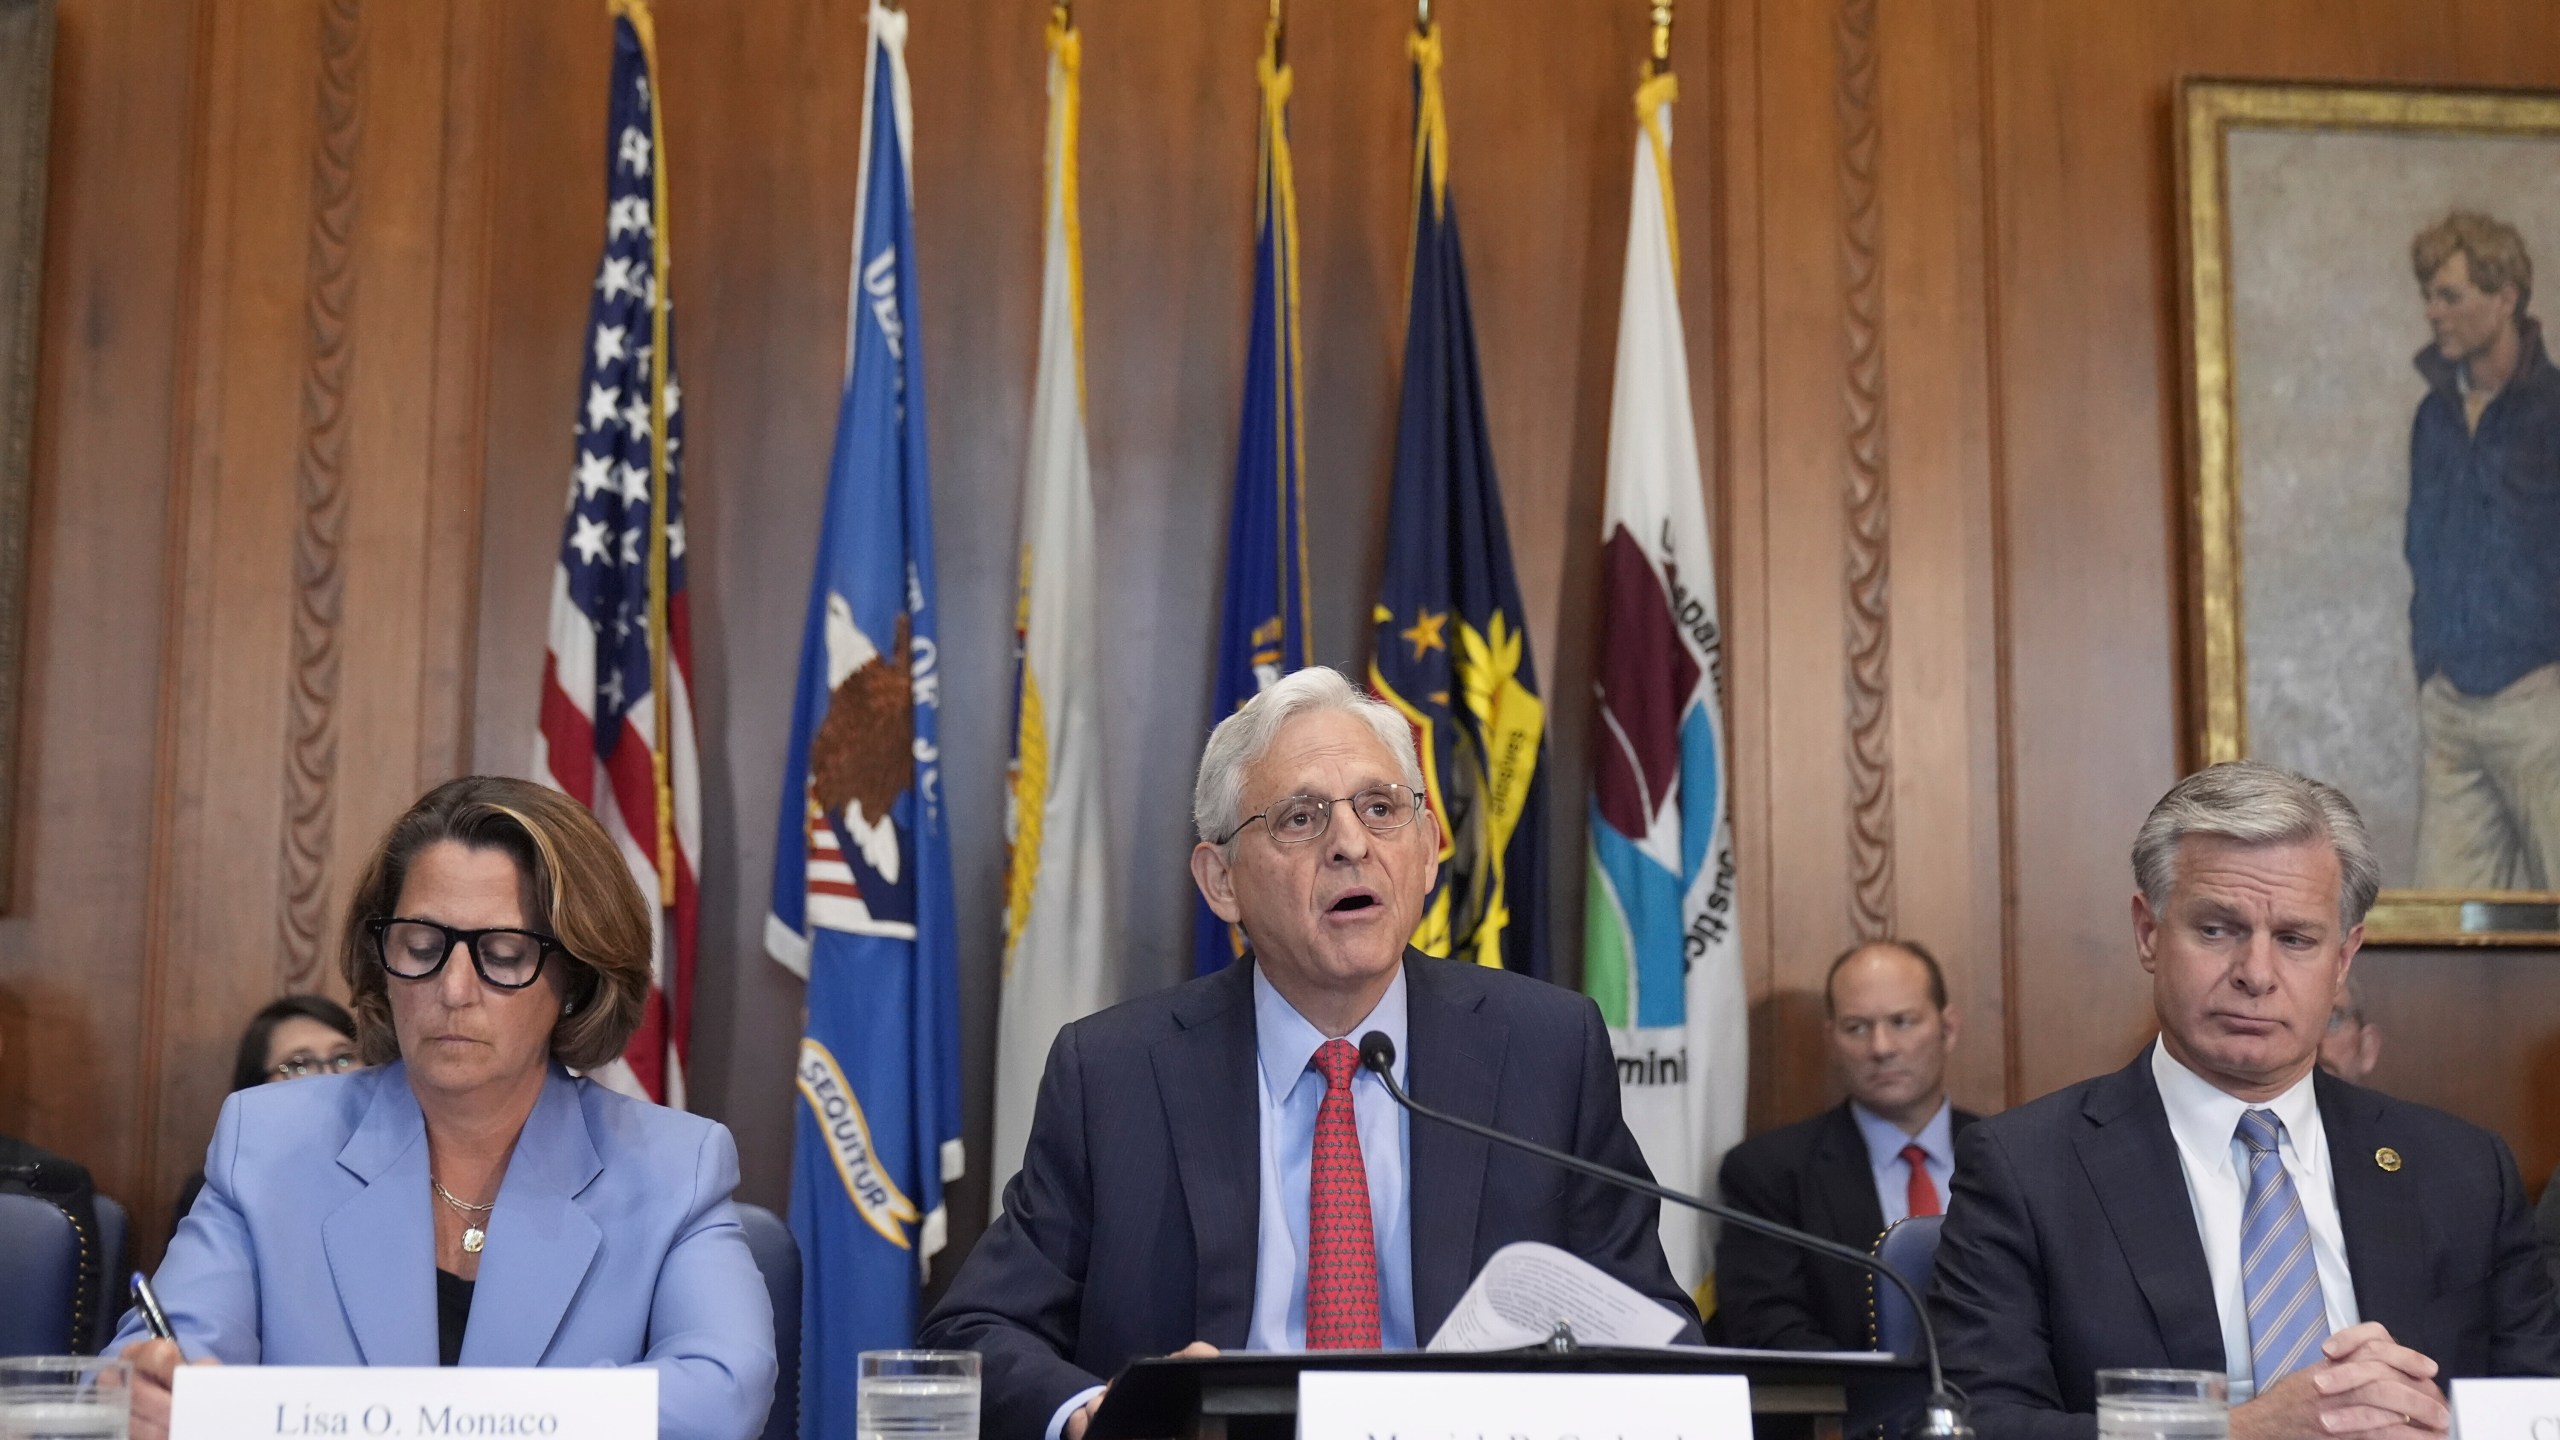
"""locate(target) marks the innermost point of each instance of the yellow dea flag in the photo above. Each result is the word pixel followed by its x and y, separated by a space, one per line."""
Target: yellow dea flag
pixel 1055 909
pixel 1450 648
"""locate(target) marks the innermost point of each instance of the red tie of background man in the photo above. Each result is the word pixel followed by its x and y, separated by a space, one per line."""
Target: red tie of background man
pixel 1342 1250
pixel 1924 1196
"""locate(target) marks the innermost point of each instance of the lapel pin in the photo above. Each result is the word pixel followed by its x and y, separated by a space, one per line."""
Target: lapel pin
pixel 2388 1159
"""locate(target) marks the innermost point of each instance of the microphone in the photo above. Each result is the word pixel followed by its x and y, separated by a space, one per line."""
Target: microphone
pixel 1942 1415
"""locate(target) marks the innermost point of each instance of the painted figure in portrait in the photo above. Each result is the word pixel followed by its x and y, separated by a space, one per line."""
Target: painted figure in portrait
pixel 2483 543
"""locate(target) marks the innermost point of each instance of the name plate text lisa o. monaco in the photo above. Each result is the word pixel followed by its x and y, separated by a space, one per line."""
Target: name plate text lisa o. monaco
pixel 1395 1405
pixel 2513 1409
pixel 265 1402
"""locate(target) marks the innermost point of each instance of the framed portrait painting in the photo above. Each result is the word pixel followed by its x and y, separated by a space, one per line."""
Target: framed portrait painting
pixel 2374 487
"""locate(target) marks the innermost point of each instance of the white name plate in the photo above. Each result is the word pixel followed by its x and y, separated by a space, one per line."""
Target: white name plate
pixel 265 1402
pixel 2506 1409
pixel 1398 1405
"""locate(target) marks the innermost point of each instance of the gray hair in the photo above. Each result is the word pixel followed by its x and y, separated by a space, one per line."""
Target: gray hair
pixel 2257 803
pixel 1241 740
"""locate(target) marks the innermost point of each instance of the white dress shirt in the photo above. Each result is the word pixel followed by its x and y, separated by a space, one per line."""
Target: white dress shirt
pixel 2205 1122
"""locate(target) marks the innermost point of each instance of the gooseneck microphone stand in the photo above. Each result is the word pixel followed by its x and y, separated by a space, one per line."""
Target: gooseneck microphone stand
pixel 1942 1415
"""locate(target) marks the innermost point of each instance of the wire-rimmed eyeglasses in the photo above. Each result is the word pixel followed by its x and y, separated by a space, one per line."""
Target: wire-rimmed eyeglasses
pixel 302 1062
pixel 416 949
pixel 1297 819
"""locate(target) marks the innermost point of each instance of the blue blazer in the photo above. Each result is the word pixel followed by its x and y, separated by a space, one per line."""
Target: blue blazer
pixel 2070 1246
pixel 613 1243
pixel 1132 1228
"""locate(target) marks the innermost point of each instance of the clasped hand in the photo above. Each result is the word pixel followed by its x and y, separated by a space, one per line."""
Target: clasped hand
pixel 2365 1384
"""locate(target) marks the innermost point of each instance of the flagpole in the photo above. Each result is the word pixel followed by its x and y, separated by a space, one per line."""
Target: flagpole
pixel 1654 95
pixel 660 641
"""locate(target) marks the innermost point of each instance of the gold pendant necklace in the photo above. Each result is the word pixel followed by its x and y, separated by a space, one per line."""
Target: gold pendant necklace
pixel 473 1237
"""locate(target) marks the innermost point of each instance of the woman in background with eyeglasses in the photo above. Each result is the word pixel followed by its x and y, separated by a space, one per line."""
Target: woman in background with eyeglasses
pixel 291 1037
pixel 471 1200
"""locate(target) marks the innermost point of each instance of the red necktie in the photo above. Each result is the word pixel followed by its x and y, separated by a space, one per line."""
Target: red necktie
pixel 1924 1195
pixel 1342 1251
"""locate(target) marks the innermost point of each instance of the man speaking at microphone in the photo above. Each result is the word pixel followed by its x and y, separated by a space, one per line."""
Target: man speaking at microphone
pixel 1210 1166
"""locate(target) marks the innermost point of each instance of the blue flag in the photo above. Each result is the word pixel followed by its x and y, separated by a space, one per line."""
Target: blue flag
pixel 1262 633
pixel 1451 650
pixel 862 878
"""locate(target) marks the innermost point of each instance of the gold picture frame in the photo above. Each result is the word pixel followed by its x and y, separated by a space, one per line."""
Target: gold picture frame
pixel 2209 113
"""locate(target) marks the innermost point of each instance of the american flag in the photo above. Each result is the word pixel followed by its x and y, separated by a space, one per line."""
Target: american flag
pixel 603 710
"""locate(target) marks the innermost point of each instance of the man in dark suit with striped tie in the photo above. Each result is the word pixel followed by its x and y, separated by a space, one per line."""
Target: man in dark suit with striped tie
pixel 2221 1204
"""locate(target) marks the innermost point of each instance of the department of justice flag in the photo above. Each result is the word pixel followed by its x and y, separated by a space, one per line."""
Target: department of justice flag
pixel 1451 650
pixel 1056 878
pixel 1262 630
pixel 862 900
pixel 1660 950
pixel 617 672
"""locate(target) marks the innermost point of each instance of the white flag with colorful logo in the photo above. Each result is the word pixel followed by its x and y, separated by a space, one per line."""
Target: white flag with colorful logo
pixel 1056 889
pixel 1660 951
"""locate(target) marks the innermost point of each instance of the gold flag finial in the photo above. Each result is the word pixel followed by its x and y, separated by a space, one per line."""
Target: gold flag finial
pixel 1660 64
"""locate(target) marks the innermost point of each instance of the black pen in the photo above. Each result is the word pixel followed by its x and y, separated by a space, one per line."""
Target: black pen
pixel 152 1314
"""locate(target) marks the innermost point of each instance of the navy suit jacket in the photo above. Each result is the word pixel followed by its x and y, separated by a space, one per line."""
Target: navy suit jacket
pixel 1132 1228
pixel 613 1243
pixel 1815 1176
pixel 2070 1245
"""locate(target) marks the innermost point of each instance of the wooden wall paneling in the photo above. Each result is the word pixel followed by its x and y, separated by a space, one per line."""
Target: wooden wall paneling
pixel 1867 473
pixel 1723 249
pixel 448 536
pixel 230 663
pixel 321 494
pixel 546 122
pixel 2085 340
pixel 74 996
pixel 401 514
pixel 1797 218
pixel 1941 669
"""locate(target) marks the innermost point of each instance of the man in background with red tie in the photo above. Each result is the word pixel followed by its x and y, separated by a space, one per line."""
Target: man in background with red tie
pixel 1210 1168
pixel 1886 1152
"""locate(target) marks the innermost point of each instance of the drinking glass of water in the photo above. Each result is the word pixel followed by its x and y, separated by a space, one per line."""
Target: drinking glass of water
pixel 65 1397
pixel 917 1395
pixel 2164 1405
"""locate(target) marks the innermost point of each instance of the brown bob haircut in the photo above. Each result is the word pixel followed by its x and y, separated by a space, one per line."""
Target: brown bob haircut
pixel 576 889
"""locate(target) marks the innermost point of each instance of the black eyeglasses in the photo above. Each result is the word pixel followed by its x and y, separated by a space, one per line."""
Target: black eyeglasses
pixel 416 949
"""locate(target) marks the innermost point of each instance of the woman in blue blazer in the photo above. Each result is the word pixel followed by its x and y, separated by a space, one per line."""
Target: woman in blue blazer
pixel 473 1201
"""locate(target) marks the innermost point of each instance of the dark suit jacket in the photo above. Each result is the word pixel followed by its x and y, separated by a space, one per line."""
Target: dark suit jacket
pixel 1813 1175
pixel 1132 1228
pixel 2070 1245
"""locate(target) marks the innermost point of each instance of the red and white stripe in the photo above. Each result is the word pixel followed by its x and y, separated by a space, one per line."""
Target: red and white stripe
pixel 624 796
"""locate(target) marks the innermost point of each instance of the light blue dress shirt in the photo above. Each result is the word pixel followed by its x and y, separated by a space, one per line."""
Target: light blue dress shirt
pixel 1884 1157
pixel 1292 1092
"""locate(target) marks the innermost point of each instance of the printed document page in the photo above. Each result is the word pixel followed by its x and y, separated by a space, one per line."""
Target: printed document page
pixel 1527 1287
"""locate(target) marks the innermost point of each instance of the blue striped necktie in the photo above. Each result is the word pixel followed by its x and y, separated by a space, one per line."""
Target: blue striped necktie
pixel 2279 1278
